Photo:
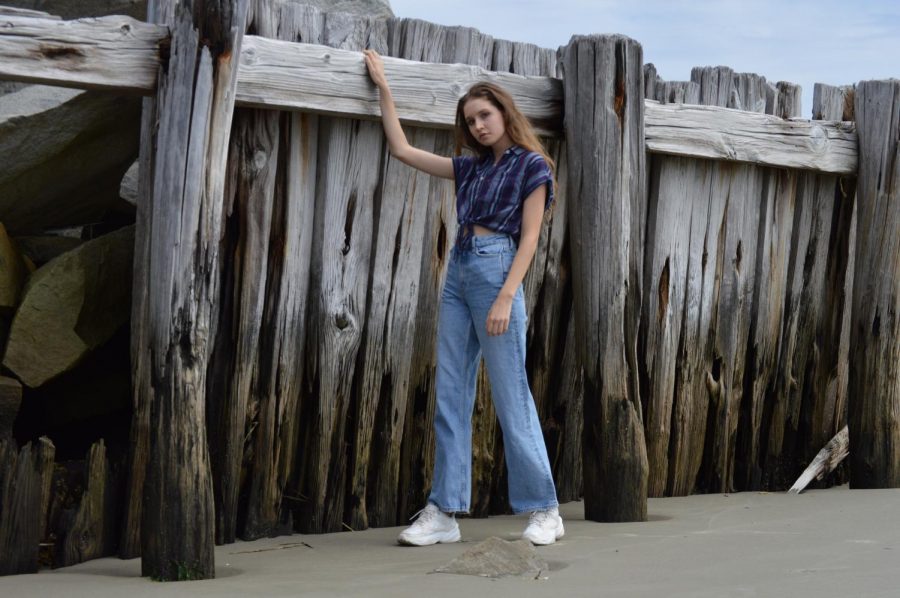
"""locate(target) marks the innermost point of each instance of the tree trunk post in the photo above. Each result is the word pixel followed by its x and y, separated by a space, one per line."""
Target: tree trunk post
pixel 195 102
pixel 874 381
pixel 604 122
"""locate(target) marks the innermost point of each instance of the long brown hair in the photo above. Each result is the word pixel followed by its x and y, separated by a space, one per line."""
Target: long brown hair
pixel 518 128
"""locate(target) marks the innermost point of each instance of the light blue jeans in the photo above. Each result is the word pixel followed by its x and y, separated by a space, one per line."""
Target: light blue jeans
pixel 474 278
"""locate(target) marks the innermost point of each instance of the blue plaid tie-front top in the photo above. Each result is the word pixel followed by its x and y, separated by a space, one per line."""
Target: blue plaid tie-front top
pixel 492 195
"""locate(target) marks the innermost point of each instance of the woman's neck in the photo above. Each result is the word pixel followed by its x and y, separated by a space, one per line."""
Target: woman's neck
pixel 503 144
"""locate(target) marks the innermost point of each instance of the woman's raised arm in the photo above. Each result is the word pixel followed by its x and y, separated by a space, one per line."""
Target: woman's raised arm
pixel 400 148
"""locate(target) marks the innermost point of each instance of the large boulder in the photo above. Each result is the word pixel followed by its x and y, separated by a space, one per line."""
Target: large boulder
pixel 71 306
pixel 10 400
pixel 65 152
pixel 43 248
pixel 74 9
pixel 13 272
pixel 379 9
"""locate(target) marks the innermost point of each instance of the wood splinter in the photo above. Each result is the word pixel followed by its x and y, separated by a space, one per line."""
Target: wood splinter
pixel 825 462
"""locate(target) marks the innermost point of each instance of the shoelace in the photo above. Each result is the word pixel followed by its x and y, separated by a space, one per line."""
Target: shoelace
pixel 424 515
pixel 539 517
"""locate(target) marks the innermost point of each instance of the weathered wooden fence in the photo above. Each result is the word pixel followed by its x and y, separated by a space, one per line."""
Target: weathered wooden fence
pixel 691 326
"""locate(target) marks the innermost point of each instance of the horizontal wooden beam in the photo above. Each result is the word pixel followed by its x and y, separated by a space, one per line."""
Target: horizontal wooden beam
pixel 116 53
pixel 120 53
pixel 735 135
pixel 325 80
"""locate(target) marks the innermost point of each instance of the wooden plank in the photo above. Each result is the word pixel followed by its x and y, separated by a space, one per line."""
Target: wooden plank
pixel 726 134
pixel 331 81
pixel 115 52
pixel 874 385
pixel 604 108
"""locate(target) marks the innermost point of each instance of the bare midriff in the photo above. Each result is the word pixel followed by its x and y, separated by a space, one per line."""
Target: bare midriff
pixel 479 230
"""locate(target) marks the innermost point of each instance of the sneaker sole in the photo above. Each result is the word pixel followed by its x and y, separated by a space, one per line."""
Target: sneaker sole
pixel 444 538
pixel 559 532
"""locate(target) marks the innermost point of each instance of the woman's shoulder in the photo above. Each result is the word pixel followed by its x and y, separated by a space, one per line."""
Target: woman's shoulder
pixel 533 160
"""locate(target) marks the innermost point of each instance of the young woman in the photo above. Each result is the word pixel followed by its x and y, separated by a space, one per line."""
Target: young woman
pixel 501 195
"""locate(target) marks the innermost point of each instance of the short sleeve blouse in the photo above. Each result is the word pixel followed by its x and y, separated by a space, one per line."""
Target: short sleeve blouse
pixel 492 195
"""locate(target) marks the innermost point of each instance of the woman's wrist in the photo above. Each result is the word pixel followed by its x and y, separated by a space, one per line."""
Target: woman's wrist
pixel 507 293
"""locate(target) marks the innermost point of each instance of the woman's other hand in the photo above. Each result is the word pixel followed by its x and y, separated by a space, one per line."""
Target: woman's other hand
pixel 498 316
pixel 375 65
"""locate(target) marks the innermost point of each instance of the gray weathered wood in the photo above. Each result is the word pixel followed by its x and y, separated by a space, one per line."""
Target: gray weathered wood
pixel 874 385
pixel 195 104
pixel 726 134
pixel 91 535
pixel 24 491
pixel 825 462
pixel 274 418
pixel 327 80
pixel 158 11
pixel 604 108
pixel 114 52
pixel 285 75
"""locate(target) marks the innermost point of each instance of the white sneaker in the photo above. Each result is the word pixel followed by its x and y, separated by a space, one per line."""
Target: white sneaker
pixel 431 526
pixel 544 527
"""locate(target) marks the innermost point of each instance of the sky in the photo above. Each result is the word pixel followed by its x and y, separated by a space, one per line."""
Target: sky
pixel 803 41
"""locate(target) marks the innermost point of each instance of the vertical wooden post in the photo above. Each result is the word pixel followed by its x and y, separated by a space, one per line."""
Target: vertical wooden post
pixel 874 385
pixel 158 11
pixel 25 477
pixel 606 187
pixel 195 101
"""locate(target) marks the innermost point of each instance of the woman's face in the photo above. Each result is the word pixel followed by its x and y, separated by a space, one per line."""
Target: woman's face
pixel 485 121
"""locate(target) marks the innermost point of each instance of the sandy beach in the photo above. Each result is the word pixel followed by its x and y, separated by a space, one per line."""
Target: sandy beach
pixel 822 543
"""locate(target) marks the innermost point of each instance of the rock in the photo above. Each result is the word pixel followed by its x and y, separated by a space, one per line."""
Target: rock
pixel 496 557
pixel 65 152
pixel 42 249
pixel 70 306
pixel 13 272
pixel 74 9
pixel 128 188
pixel 25 12
pixel 10 401
pixel 379 9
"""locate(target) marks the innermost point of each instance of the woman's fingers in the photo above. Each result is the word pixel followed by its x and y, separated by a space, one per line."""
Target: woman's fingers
pixel 497 326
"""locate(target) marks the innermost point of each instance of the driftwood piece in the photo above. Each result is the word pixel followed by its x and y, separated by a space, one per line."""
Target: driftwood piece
pixel 607 189
pixel 825 461
pixel 874 385
pixel 195 105
pixel 24 491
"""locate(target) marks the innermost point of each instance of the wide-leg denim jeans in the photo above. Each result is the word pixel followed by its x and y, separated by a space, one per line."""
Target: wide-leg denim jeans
pixel 474 278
